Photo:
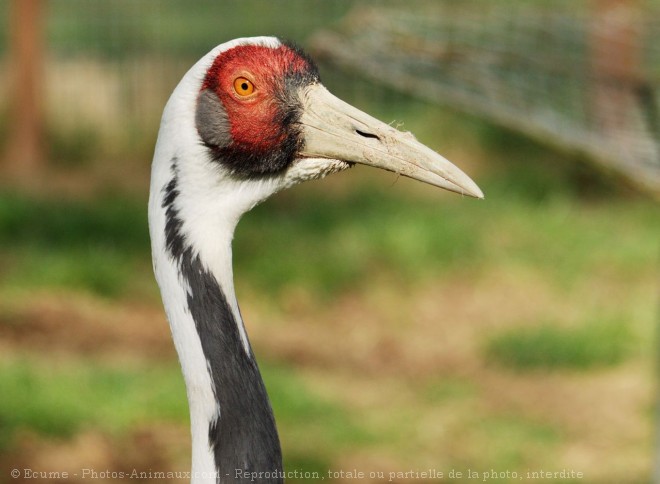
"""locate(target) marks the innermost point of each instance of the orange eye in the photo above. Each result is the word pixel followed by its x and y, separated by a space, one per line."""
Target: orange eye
pixel 243 86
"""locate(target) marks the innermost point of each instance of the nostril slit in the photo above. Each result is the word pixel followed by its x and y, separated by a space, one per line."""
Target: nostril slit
pixel 366 135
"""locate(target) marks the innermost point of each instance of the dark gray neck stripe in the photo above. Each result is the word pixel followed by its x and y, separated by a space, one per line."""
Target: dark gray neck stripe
pixel 245 436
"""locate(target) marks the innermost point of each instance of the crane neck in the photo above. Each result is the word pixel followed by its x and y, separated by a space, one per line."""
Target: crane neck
pixel 232 423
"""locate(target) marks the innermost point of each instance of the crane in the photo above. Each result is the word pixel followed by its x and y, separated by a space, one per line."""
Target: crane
pixel 247 120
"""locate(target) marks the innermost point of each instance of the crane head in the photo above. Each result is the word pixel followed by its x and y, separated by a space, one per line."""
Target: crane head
pixel 262 112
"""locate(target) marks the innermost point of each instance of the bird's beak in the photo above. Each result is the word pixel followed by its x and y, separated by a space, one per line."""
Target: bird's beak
pixel 335 129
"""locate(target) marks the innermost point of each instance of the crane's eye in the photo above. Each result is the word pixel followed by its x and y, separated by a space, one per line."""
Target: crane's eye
pixel 243 86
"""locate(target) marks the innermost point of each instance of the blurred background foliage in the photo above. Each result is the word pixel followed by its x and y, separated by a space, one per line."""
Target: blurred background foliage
pixel 397 327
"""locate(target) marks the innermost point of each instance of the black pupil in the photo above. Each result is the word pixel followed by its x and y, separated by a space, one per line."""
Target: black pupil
pixel 244 86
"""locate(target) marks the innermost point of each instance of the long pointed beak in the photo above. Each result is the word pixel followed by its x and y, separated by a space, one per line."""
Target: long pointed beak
pixel 335 129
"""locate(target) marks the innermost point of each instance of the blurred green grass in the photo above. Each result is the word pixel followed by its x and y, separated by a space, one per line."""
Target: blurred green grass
pixel 57 400
pixel 329 243
pixel 547 346
pixel 98 246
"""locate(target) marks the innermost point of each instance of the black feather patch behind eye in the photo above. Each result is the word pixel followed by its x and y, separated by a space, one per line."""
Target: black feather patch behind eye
pixel 245 162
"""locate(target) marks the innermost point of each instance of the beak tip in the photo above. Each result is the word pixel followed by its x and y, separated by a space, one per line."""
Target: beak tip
pixel 478 194
pixel 470 188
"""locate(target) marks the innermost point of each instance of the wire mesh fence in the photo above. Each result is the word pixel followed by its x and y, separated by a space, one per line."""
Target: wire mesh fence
pixel 578 78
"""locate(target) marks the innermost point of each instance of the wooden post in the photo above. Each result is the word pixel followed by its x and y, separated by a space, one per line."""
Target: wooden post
pixel 616 62
pixel 25 150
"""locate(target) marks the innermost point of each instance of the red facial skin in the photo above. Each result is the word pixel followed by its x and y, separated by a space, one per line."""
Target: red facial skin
pixel 254 119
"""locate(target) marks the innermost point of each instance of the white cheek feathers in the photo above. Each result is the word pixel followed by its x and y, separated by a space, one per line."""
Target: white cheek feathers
pixel 312 169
